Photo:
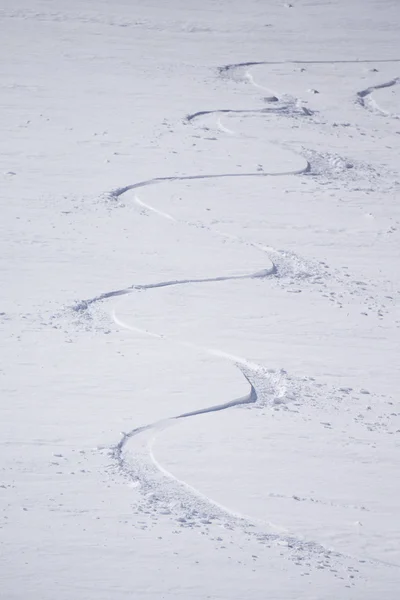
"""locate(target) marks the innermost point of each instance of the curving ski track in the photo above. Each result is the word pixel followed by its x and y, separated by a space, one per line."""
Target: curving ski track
pixel 228 68
pixel 365 99
pixel 281 266
pixel 84 304
pixel 192 503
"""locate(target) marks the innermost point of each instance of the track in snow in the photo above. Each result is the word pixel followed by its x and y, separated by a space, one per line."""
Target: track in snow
pixel 159 485
pixel 119 191
pixel 226 69
pixel 250 398
pixel 84 304
pixel 288 107
pixel 365 99
pixel 167 495
pixel 282 265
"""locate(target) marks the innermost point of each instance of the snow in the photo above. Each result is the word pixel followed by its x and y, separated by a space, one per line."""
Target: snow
pixel 201 300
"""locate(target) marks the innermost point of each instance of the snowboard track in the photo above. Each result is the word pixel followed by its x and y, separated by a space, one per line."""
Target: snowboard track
pixel 288 107
pixel 284 264
pixel 84 304
pixel 249 399
pixel 165 494
pixel 364 97
pixel 147 471
pixel 224 69
pixel 192 504
pixel 119 191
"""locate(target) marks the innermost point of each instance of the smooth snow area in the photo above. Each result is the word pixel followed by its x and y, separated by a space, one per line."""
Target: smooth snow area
pixel 200 309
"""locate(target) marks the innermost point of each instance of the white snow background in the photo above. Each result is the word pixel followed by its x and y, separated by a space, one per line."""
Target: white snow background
pixel 200 219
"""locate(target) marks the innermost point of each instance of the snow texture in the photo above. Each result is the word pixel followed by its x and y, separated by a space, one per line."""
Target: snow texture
pixel 201 300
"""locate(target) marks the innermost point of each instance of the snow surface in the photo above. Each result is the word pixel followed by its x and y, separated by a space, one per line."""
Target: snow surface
pixel 201 299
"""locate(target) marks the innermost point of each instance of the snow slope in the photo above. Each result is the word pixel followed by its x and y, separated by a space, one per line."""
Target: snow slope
pixel 200 310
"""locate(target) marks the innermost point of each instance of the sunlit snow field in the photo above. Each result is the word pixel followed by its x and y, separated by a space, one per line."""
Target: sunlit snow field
pixel 200 308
